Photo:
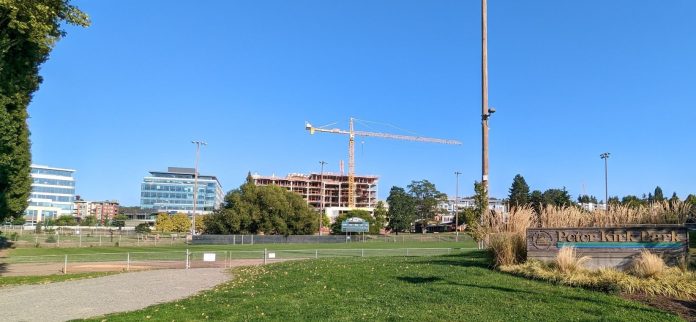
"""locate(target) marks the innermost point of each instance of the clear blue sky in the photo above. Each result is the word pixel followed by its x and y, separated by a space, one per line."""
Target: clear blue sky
pixel 570 80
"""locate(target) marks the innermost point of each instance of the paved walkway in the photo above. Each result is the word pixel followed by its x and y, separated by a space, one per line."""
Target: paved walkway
pixel 96 296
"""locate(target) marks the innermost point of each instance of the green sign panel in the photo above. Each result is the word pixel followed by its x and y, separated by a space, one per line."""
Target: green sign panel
pixel 355 225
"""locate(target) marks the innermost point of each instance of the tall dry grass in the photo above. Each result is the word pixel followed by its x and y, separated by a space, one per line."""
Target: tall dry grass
pixel 502 233
pixel 647 265
pixel 567 262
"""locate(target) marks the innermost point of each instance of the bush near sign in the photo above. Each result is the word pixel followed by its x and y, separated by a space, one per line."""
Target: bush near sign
pixel 610 246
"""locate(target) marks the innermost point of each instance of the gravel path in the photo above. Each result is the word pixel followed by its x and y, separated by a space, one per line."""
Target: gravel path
pixel 96 296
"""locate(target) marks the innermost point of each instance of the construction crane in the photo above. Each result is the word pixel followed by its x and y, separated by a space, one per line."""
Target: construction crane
pixel 352 133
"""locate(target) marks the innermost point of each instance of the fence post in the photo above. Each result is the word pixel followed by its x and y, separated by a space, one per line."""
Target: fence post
pixel 234 239
pixel 252 239
pixel 362 252
pixel 316 253
pixel 406 251
pixel 264 255
pixel 58 240
pixel 187 258
pixel 100 240
pixel 80 237
pixel 128 262
pixel 65 265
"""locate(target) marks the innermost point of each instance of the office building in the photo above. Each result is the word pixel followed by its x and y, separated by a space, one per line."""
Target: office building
pixel 52 193
pixel 171 191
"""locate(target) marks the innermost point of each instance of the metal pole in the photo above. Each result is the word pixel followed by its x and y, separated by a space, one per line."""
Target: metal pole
pixel 321 215
pixel 195 186
pixel 128 262
pixel 456 209
pixel 605 156
pixel 484 97
pixel 187 259
pixel 65 265
pixel 265 255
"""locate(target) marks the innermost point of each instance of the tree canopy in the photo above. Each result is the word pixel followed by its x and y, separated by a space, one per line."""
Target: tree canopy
pixel 402 210
pixel 28 31
pixel 267 210
pixel 427 199
pixel 363 214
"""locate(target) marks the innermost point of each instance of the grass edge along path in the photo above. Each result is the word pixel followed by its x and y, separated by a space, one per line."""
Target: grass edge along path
pixel 454 287
pixel 8 281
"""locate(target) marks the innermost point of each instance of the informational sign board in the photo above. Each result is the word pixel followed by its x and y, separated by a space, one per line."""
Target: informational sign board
pixel 355 225
pixel 208 257
pixel 610 246
pixel 271 255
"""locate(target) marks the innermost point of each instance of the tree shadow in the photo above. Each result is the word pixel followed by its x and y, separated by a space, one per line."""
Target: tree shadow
pixel 419 280
pixel 479 258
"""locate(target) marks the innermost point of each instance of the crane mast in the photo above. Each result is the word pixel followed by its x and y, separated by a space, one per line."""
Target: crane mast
pixel 351 148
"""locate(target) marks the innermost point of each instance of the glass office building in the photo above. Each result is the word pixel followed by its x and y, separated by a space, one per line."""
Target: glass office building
pixel 172 192
pixel 52 193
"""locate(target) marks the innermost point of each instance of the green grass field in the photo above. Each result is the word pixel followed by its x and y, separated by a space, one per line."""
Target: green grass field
pixel 25 280
pixel 445 288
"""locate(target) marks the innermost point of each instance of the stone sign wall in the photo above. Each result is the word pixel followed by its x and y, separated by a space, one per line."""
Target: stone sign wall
pixel 610 246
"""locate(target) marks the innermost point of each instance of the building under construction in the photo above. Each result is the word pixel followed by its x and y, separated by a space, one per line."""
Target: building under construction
pixel 333 192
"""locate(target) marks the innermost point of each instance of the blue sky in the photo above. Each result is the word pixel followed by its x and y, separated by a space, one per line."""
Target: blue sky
pixel 569 79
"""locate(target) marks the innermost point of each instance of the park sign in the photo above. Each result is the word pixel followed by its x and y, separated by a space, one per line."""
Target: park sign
pixel 610 246
pixel 355 225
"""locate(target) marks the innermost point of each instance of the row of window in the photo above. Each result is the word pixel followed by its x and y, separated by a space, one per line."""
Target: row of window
pixel 67 191
pixel 54 198
pixel 158 202
pixel 173 195
pixel 53 172
pixel 55 182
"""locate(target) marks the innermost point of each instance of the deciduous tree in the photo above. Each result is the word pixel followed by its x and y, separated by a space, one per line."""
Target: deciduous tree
pixel 402 210
pixel 28 31
pixel 427 199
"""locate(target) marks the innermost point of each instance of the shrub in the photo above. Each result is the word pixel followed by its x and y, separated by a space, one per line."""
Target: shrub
pixel 647 265
pixel 567 262
pixel 51 239
pixel 507 248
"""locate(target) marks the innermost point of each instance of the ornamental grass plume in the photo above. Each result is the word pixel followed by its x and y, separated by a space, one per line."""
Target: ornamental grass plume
pixel 648 265
pixel 567 262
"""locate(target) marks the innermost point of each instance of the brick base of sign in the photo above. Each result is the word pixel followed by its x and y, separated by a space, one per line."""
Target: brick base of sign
pixel 610 246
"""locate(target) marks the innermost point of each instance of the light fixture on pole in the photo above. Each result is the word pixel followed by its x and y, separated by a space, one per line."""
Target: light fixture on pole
pixel 605 156
pixel 321 214
pixel 195 185
pixel 455 206
pixel 486 110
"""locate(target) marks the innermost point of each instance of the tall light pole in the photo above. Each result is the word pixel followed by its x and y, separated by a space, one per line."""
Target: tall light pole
pixel 605 156
pixel 195 185
pixel 486 111
pixel 456 209
pixel 321 214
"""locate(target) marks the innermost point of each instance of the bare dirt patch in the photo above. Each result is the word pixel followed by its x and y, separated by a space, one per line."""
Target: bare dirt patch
pixel 685 309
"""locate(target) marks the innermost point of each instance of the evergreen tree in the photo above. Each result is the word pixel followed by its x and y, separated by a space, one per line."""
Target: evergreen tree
pixel 28 32
pixel 519 192
pixel 674 198
pixel 658 196
pixel 536 199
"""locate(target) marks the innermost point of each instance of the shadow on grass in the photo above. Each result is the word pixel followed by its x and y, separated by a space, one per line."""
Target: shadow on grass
pixel 479 258
pixel 419 280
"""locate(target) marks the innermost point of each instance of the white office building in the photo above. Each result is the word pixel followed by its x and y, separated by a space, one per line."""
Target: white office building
pixel 52 193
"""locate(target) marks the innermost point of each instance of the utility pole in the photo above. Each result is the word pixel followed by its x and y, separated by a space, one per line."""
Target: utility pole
pixel 605 156
pixel 484 97
pixel 321 215
pixel 195 186
pixel 456 202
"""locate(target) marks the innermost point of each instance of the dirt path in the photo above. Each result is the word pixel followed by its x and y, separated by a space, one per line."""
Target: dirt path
pixel 96 296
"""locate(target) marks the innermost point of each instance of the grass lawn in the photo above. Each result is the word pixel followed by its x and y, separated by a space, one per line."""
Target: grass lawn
pixel 25 280
pixel 445 288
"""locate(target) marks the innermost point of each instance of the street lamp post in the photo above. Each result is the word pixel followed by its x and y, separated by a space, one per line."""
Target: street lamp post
pixel 321 214
pixel 605 156
pixel 195 186
pixel 456 209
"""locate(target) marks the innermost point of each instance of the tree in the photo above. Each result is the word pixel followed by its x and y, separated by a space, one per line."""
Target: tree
pixel 20 220
pixel 658 196
pixel 163 223
pixel 142 228
pixel 180 223
pixel 427 199
pixel 614 200
pixel 519 192
pixel 90 220
pixel 557 197
pixel 536 198
pixel 363 214
pixel 28 32
pixel 674 199
pixel 587 199
pixel 480 198
pixel 119 221
pixel 65 220
pixel 631 201
pixel 691 199
pixel 381 214
pixel 402 210
pixel 269 210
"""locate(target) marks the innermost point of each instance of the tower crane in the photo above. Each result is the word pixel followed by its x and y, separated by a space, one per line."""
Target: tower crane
pixel 352 133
